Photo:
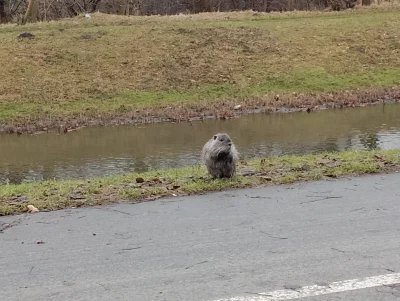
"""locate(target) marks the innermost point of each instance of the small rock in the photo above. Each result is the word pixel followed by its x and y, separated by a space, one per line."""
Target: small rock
pixel 237 107
pixel 139 180
pixel 323 161
pixel 247 173
pixel 39 242
pixel 86 36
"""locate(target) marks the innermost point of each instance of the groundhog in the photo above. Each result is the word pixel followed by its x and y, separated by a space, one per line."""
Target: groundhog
pixel 219 155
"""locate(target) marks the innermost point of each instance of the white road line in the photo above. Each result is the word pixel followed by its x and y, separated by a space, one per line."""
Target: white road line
pixel 317 290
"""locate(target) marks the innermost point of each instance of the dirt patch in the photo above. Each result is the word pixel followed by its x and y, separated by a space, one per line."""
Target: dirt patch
pixel 197 112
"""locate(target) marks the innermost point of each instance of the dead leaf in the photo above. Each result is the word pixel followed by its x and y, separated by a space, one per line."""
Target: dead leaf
pixel 173 187
pixel 303 167
pixel 330 175
pixel 76 196
pixel 335 163
pixel 32 209
pixel 139 180
pixel 156 180
pixel 153 198
pixel 323 161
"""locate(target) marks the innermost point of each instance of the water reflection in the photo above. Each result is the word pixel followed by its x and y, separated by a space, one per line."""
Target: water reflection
pixel 98 151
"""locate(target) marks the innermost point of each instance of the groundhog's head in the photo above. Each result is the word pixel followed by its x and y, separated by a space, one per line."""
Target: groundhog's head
pixel 222 141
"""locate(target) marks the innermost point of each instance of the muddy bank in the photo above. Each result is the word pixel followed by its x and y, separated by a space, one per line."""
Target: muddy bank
pixel 221 109
pixel 148 186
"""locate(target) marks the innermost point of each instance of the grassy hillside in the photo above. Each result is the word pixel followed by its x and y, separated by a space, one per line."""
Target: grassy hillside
pixel 111 65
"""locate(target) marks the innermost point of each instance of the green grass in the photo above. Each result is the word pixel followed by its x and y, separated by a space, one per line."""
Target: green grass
pixel 132 63
pixel 53 195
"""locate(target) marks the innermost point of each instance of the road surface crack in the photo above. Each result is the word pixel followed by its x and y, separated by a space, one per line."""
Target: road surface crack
pixel 321 199
pixel 118 211
pixel 103 286
pixel 341 251
pixel 276 237
pixel 130 249
pixel 258 294
pixel 258 197
pixel 196 264
pixel 30 271
pixel 357 209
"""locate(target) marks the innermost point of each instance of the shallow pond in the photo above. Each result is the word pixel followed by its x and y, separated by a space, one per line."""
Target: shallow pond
pixel 102 151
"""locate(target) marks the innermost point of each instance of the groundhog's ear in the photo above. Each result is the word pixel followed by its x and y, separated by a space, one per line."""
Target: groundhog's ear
pixel 215 137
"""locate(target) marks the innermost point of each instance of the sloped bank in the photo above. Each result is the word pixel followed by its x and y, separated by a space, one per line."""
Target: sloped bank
pixel 221 109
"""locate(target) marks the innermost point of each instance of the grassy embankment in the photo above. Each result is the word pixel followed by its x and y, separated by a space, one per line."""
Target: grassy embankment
pixel 52 195
pixel 132 69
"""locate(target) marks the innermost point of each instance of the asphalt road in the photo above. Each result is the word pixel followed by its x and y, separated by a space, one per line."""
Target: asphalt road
pixel 217 246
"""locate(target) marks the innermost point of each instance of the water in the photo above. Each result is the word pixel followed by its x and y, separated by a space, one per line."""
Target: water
pixel 102 151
